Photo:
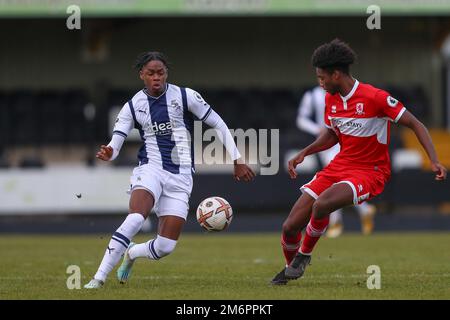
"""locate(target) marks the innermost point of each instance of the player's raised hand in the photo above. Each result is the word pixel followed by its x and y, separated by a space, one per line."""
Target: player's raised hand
pixel 243 172
pixel 105 153
pixel 293 163
pixel 439 170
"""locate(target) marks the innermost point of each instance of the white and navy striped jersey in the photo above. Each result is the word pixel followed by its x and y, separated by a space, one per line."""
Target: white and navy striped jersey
pixel 166 125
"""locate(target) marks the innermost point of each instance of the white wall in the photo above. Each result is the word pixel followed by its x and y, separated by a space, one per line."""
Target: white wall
pixel 54 190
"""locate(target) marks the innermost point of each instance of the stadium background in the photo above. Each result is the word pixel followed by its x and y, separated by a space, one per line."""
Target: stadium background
pixel 60 91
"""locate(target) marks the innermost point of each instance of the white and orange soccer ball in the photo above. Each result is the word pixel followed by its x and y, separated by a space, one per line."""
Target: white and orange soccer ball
pixel 214 214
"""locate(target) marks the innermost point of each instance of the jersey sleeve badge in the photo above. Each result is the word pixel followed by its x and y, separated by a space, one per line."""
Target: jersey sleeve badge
pixel 392 102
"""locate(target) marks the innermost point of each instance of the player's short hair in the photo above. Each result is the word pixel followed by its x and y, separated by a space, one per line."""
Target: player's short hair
pixel 146 57
pixel 334 55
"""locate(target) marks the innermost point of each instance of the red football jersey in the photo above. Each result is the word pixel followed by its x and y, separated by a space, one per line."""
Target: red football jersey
pixel 361 120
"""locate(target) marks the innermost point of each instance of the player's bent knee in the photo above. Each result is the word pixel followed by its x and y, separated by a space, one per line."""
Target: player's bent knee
pixel 164 246
pixel 141 202
pixel 289 229
pixel 321 208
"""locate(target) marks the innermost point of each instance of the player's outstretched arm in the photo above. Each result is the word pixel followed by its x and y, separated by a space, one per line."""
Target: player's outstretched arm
pixel 408 120
pixel 242 172
pixel 326 140
pixel 202 110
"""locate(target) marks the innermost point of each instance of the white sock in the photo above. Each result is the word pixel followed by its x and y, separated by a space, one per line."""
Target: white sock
pixel 154 249
pixel 335 217
pixel 118 244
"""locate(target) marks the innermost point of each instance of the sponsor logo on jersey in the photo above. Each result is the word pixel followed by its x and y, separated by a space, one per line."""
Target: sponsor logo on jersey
pixel 333 109
pixel 359 109
pixel 162 128
pixel 340 123
pixel 392 102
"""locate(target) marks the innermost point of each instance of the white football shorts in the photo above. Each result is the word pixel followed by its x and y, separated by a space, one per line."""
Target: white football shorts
pixel 170 191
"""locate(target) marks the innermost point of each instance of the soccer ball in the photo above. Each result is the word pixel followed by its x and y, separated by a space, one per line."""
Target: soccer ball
pixel 214 214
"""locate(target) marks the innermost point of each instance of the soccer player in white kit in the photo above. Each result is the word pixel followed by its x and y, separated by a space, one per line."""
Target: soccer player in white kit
pixel 164 115
pixel 310 119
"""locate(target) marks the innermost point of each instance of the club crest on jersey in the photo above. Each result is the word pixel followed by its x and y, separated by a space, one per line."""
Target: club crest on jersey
pixel 174 104
pixel 359 109
pixel 333 109
pixel 392 102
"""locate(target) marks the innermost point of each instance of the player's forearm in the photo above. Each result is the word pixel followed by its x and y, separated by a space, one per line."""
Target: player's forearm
pixel 424 138
pixel 325 141
pixel 407 119
pixel 116 144
pixel 227 140
pixel 318 147
pixel 216 122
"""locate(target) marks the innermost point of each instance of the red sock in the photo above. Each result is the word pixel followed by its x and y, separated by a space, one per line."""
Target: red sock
pixel 290 246
pixel 314 230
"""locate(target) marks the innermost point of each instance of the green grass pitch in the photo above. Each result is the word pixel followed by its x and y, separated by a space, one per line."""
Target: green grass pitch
pixel 232 266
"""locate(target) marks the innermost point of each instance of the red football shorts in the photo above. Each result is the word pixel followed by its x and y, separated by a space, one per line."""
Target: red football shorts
pixel 365 183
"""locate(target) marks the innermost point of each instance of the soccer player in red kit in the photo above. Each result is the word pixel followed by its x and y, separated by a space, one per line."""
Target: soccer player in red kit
pixel 358 117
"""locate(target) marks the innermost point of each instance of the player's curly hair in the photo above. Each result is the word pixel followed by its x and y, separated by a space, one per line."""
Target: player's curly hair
pixel 146 57
pixel 334 55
